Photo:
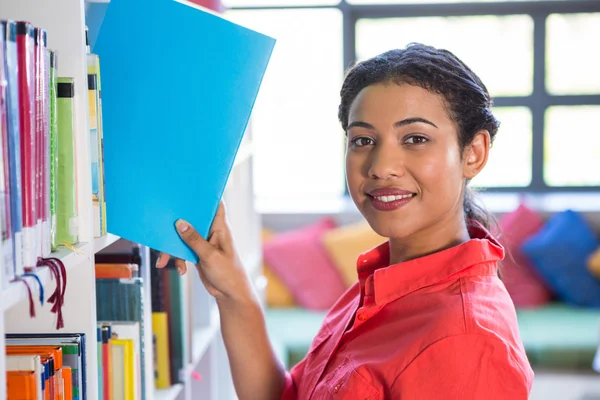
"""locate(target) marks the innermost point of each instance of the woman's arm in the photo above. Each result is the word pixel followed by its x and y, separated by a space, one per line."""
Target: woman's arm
pixel 257 374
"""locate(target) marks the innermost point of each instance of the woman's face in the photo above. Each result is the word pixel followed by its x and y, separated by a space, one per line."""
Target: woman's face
pixel 403 165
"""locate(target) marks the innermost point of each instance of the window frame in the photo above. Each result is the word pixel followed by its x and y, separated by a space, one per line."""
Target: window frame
pixel 538 101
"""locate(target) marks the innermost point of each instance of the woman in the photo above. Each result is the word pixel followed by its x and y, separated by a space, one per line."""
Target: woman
pixel 429 318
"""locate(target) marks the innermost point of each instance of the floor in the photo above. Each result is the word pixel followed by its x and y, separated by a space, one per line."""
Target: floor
pixel 565 386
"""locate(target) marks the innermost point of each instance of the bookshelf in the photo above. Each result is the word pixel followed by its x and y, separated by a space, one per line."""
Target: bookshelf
pixel 206 374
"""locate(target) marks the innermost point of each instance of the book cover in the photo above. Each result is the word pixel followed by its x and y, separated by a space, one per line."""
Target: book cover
pixel 25 54
pixel 160 333
pixel 45 103
pixel 67 226
pixel 107 362
pixel 212 70
pixel 126 359
pixel 131 331
pixel 14 142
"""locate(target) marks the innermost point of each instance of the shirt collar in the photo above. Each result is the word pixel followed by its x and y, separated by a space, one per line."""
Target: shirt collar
pixel 390 282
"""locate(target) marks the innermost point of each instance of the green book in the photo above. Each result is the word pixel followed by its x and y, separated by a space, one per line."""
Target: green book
pixel 67 225
pixel 53 149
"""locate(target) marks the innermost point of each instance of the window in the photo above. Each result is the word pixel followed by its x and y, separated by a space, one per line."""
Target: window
pixel 535 59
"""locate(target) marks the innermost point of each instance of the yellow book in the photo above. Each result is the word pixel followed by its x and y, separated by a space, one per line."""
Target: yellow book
pixel 126 346
pixel 160 333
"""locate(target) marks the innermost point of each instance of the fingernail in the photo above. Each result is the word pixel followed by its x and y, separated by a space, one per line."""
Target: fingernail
pixel 180 271
pixel 182 226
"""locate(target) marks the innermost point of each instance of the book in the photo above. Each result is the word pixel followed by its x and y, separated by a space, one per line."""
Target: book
pixel 131 331
pixel 198 124
pixel 26 84
pixel 14 143
pixel 72 346
pixel 95 152
pixel 97 142
pixel 7 270
pixel 67 226
pixel 45 142
pixel 28 363
pixel 160 339
pixel 38 152
pixel 53 147
pixel 21 385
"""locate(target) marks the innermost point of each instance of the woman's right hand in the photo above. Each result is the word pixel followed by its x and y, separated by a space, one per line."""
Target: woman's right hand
pixel 219 267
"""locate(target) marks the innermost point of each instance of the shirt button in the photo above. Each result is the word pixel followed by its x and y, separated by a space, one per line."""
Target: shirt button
pixel 337 388
pixel 362 317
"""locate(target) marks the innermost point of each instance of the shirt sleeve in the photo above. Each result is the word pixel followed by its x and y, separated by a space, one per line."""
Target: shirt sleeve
pixel 469 366
pixel 290 390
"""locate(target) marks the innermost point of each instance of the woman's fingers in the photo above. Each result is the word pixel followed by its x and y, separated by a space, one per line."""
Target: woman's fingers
pixel 163 260
pixel 181 266
pixel 192 238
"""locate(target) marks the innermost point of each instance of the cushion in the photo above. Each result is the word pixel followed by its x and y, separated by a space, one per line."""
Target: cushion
pixel 524 284
pixel 300 260
pixel 593 263
pixel 277 294
pixel 346 243
pixel 559 252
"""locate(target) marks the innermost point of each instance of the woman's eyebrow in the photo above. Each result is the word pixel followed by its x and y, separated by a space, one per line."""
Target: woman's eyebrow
pixel 407 121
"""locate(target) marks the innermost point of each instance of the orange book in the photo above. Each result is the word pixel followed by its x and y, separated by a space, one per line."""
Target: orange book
pixel 68 379
pixel 20 385
pixel 114 271
pixel 56 387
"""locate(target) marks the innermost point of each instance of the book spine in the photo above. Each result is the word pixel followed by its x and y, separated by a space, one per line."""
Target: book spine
pixel 67 229
pixel 38 135
pixel 25 50
pixel 53 148
pixel 94 152
pixel 7 271
pixel 14 144
pixel 46 246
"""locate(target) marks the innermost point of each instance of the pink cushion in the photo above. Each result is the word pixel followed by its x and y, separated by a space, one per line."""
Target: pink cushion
pixel 300 260
pixel 525 286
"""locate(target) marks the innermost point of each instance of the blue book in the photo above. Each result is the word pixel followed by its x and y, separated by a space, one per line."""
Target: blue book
pixel 179 85
pixel 14 142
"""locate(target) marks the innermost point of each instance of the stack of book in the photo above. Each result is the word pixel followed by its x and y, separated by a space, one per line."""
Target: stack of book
pixel 38 182
pixel 46 366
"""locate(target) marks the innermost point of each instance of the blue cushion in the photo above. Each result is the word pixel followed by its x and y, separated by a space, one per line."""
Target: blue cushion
pixel 559 252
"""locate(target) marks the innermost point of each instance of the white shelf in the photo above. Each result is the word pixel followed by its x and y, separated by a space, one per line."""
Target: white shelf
pixel 17 291
pixel 243 154
pixel 168 394
pixel 104 241
pixel 203 337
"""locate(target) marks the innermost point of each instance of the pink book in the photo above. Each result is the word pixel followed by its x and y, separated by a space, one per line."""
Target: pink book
pixel 25 55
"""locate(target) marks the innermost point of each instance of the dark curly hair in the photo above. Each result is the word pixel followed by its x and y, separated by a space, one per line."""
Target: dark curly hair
pixel 467 100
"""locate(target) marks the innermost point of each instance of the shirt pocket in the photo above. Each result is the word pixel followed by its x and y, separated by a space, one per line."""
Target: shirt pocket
pixel 346 383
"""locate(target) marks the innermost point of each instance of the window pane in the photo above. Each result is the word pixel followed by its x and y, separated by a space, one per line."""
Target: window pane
pixel 298 142
pixel 572 60
pixel 572 146
pixel 502 55
pixel 509 162
pixel 278 3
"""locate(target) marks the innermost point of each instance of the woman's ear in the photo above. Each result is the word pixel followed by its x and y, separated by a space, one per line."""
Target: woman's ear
pixel 476 154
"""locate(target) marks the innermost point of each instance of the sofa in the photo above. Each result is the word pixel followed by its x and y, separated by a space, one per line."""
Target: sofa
pixel 558 312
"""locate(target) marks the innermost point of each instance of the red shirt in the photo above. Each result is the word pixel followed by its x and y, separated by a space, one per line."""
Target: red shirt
pixel 438 327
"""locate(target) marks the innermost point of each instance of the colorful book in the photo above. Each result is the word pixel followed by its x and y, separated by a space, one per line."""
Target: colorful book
pixel 131 331
pixel 95 152
pixel 14 143
pixel 21 385
pixel 7 270
pixel 208 113
pixel 160 334
pixel 53 147
pixel 26 53
pixel 45 142
pixel 67 226
pixel 28 363
pixel 38 152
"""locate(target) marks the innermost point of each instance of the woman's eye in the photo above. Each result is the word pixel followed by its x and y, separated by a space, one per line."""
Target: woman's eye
pixel 362 141
pixel 416 139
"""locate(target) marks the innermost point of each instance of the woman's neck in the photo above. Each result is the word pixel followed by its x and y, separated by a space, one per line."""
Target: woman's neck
pixel 440 236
